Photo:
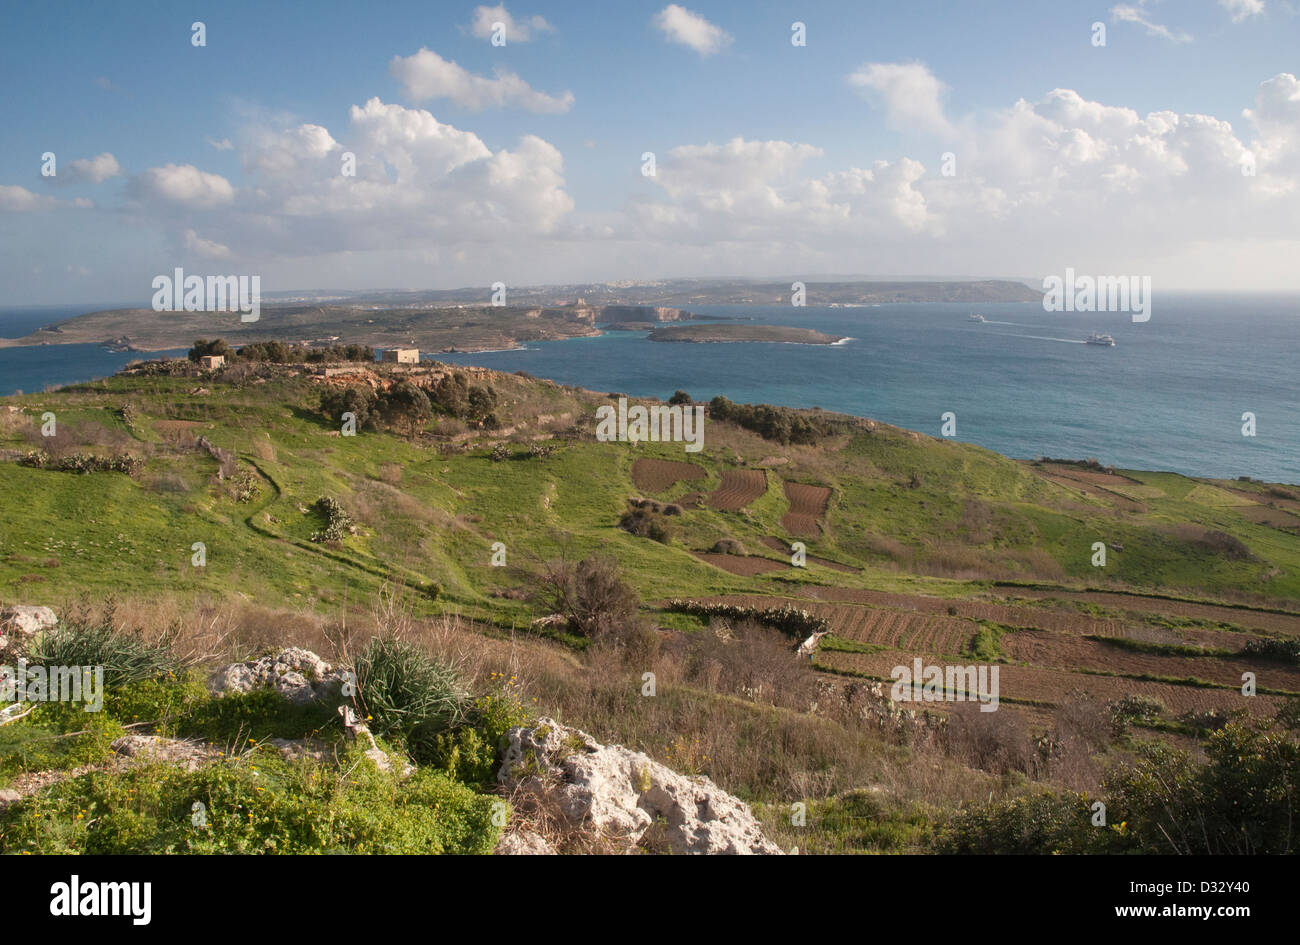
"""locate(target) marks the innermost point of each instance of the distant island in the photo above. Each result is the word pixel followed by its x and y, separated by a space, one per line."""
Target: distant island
pixel 464 320
pixel 779 334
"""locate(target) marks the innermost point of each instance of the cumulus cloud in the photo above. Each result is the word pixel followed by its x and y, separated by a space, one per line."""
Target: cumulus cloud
pixel 182 185
pixel 96 170
pixel 516 31
pixel 910 92
pixel 223 144
pixel 682 26
pixel 1126 13
pixel 426 75
pixel 15 199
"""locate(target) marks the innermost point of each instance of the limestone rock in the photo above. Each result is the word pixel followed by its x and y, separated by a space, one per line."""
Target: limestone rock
pixel 524 843
pixel 170 750
pixel 624 797
pixel 297 674
pixel 20 621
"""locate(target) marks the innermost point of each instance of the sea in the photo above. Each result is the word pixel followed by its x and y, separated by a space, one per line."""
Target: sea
pixel 1172 394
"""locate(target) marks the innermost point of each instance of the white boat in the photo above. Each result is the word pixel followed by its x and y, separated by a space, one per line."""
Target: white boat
pixel 977 318
pixel 1097 338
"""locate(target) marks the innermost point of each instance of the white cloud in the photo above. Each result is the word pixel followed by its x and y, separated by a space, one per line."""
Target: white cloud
pixel 426 75
pixel 516 31
pixel 15 199
pixel 682 26
pixel 96 170
pixel 1241 10
pixel 223 145
pixel 1124 13
pixel 204 248
pixel 183 185
pixel 910 92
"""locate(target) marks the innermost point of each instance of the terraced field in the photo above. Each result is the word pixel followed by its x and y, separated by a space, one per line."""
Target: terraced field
pixel 783 546
pixel 658 475
pixel 1246 618
pixel 739 488
pixel 807 509
pixel 744 565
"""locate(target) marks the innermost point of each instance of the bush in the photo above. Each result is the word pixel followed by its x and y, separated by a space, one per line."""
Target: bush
pixel 792 621
pixel 645 523
pixel 1131 710
pixel 590 595
pixel 254 805
pixel 472 752
pixel 338 523
pixel 1283 651
pixel 126 656
pixel 400 689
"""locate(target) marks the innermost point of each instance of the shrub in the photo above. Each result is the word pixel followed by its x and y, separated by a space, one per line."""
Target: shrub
pixel 1283 651
pixel 646 523
pixel 254 805
pixel 125 656
pixel 729 546
pixel 472 752
pixel 1141 710
pixel 401 688
pixel 338 523
pixel 590 595
pixel 792 621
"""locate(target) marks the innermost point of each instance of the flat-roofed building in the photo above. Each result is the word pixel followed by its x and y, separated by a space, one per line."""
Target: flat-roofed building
pixel 402 355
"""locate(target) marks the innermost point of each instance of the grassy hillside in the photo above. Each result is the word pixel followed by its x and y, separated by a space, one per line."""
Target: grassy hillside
pixel 915 547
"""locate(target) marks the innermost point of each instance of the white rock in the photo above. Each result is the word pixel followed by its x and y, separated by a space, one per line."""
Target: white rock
pixel 524 843
pixel 624 796
pixel 297 674
pixel 26 619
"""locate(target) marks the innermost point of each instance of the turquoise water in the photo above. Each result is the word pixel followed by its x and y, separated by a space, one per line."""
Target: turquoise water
pixel 1170 395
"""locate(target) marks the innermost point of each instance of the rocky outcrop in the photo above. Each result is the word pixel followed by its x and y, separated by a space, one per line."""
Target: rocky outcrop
pixel 175 751
pixel 19 622
pixel 524 843
pixel 622 797
pixel 297 674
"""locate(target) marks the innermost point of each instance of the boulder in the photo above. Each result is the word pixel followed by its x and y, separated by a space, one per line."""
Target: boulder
pixel 20 621
pixel 297 674
pixel 177 751
pixel 624 797
pixel 524 843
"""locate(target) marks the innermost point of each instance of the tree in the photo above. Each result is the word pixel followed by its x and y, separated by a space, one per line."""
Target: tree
pixel 203 347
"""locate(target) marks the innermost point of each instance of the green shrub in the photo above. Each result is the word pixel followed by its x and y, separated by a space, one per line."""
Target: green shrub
pixel 400 688
pixel 471 752
pixel 125 655
pixel 254 805
pixel 55 736
pixel 253 716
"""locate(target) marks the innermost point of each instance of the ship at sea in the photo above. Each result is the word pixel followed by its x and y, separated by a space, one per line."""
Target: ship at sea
pixel 1097 338
pixel 977 318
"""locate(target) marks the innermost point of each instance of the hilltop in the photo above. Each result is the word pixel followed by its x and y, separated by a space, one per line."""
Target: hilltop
pixel 475 494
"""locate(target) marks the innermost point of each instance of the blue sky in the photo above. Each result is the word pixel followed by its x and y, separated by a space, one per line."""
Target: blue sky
pixel 825 172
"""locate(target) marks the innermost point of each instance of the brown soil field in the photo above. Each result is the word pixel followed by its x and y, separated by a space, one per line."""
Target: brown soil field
pixel 744 565
pixel 656 475
pixel 739 488
pixel 1063 651
pixel 783 546
pixel 1065 621
pixel 1055 686
pixel 807 509
pixel 1265 515
pixel 1288 624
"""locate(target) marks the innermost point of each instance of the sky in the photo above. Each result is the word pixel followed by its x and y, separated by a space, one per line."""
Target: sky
pixel 429 144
